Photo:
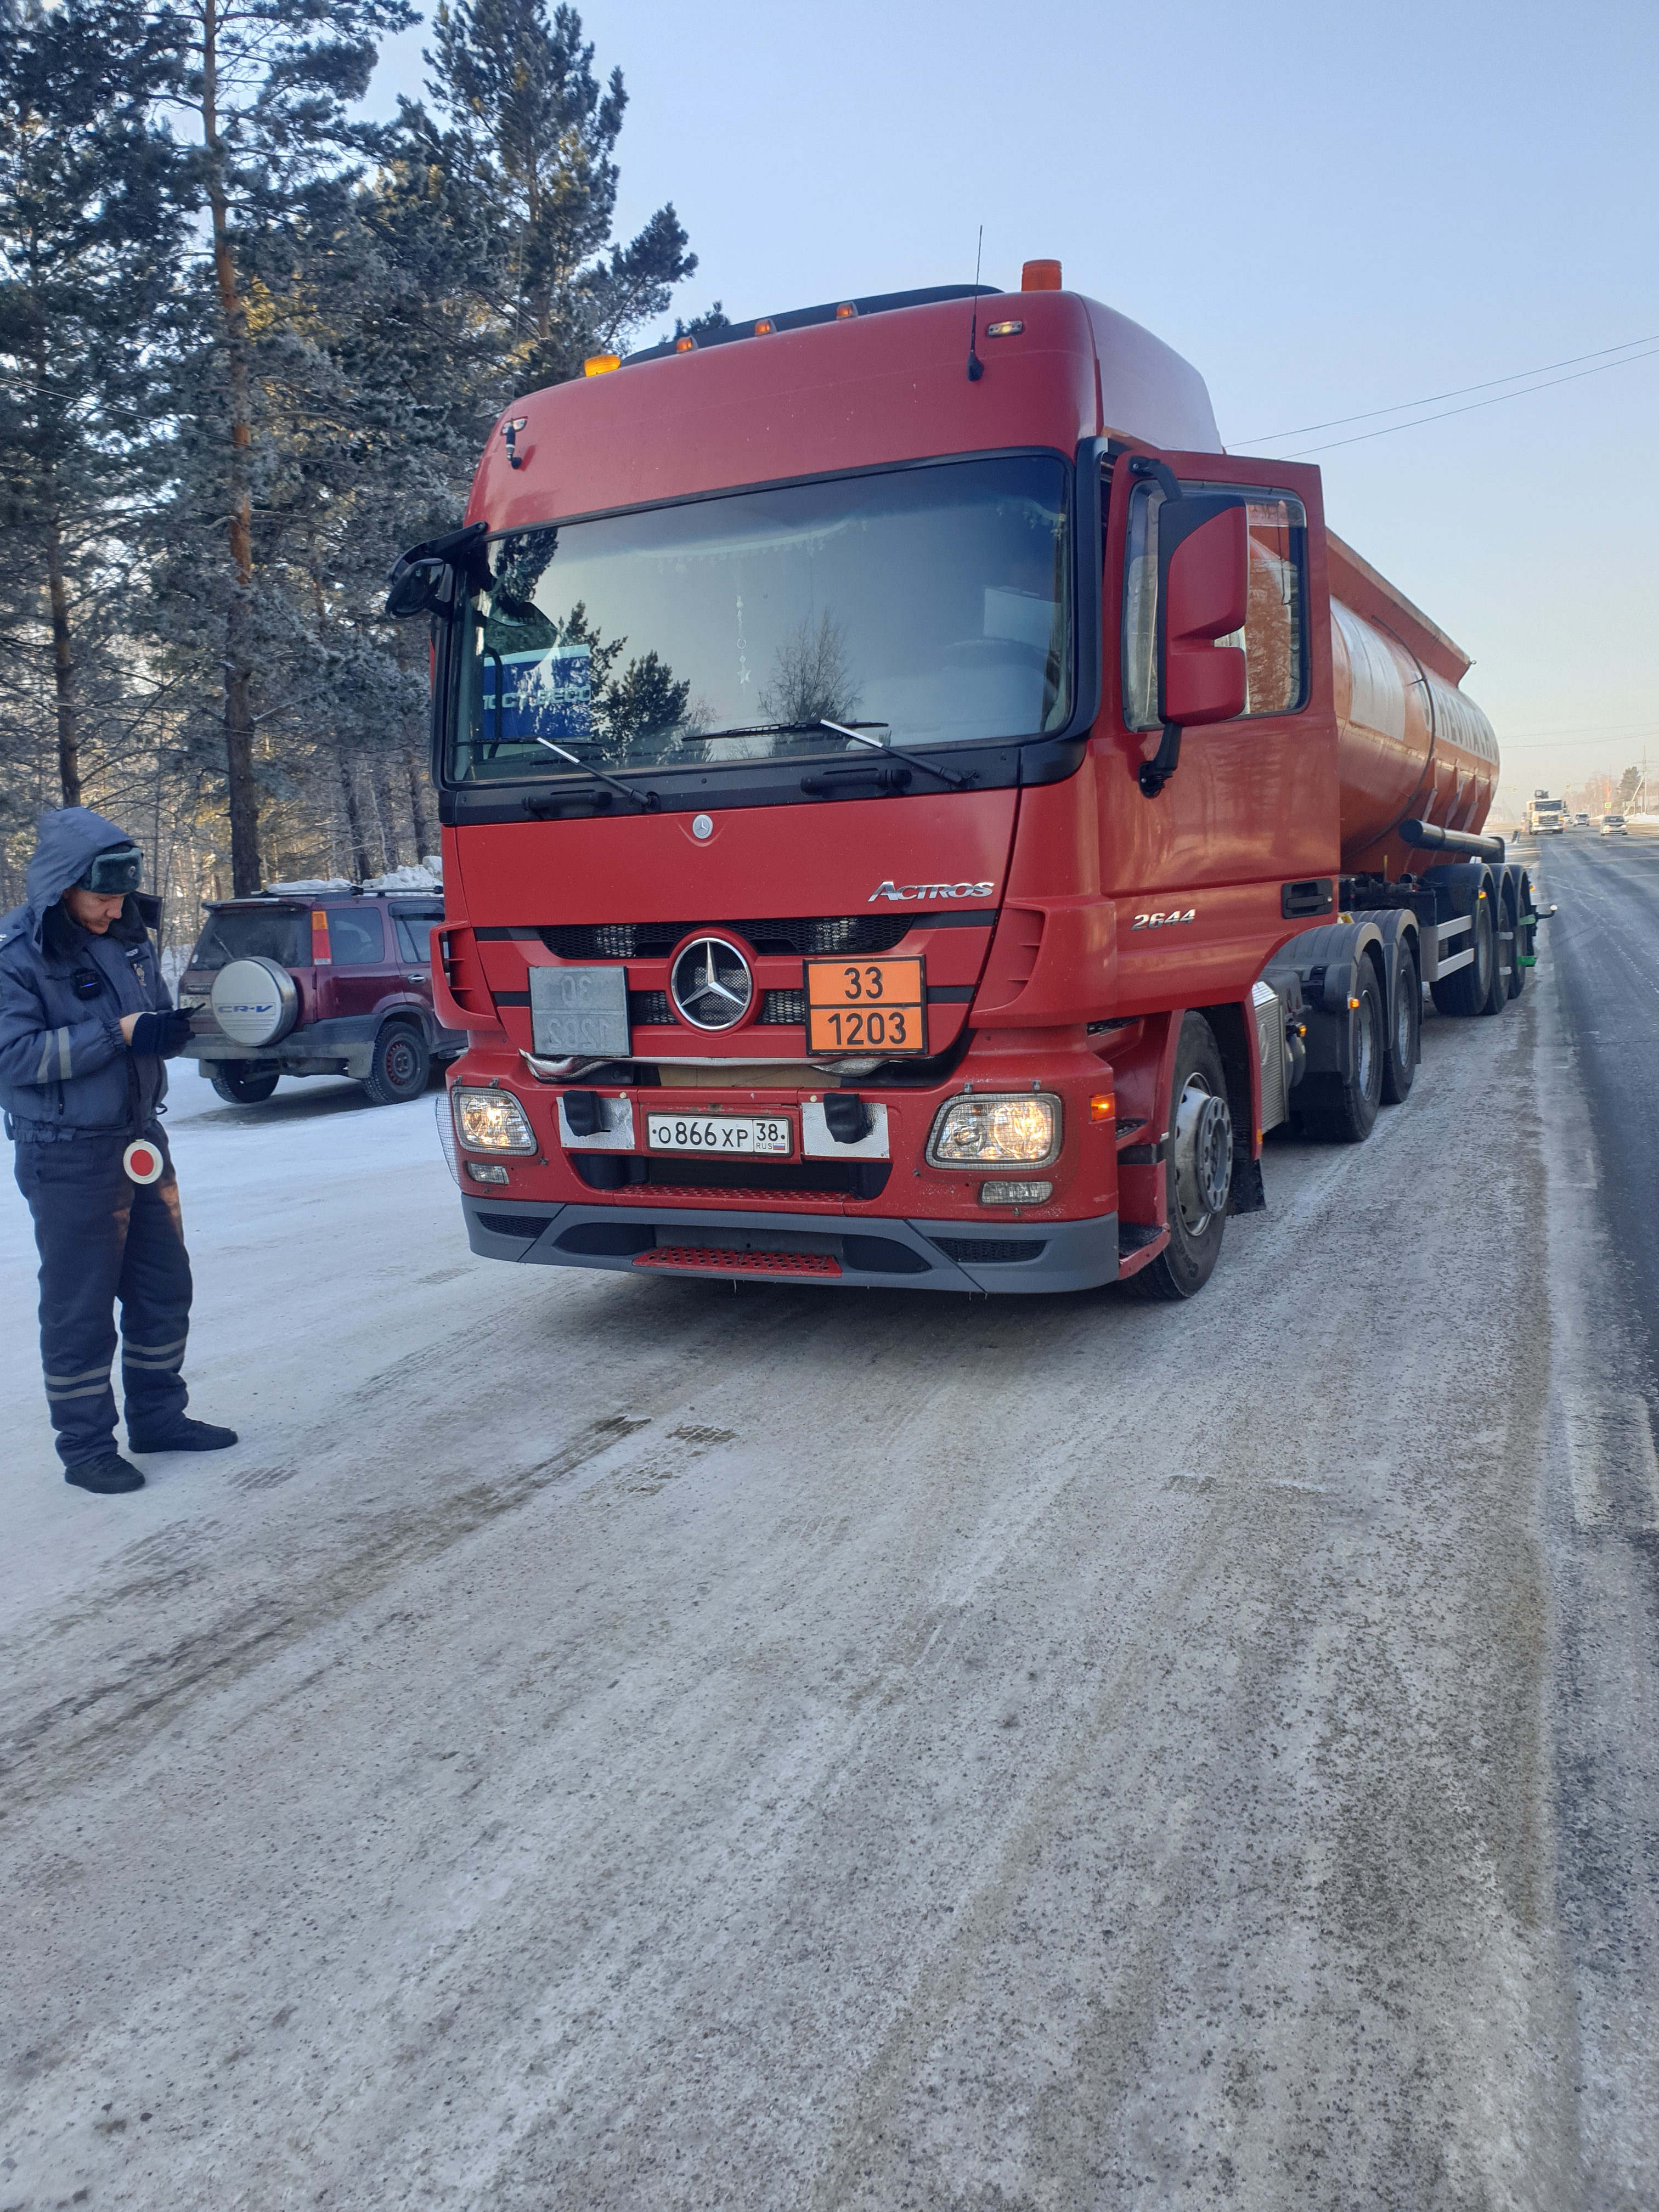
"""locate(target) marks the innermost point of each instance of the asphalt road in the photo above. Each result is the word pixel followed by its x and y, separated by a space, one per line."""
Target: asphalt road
pixel 612 1744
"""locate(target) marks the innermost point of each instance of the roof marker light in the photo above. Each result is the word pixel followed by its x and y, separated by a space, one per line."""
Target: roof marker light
pixel 685 345
pixel 1003 329
pixel 601 364
pixel 845 309
pixel 1040 276
pixel 764 328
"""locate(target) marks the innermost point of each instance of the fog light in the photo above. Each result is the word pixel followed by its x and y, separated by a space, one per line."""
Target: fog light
pixel 1010 1194
pixel 492 1122
pixel 486 1171
pixel 1019 1126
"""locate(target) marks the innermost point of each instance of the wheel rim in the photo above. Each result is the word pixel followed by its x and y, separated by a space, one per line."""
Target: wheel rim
pixel 399 1062
pixel 1203 1154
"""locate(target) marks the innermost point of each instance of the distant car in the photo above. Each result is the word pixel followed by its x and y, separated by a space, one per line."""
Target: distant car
pixel 1583 818
pixel 337 983
pixel 1613 825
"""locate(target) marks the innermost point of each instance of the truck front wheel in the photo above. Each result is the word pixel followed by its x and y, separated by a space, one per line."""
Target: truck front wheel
pixel 1198 1168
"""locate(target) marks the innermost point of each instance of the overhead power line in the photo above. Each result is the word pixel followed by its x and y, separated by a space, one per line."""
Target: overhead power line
pixel 1302 453
pixel 1462 392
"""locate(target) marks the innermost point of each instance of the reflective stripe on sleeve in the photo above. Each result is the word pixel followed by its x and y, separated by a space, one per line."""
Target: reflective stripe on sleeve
pixel 44 1069
pixel 62 1056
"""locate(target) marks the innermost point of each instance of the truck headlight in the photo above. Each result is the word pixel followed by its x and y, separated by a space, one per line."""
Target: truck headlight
pixel 984 1131
pixel 492 1122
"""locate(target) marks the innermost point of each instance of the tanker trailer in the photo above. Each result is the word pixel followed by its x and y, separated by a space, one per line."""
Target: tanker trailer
pixel 1424 894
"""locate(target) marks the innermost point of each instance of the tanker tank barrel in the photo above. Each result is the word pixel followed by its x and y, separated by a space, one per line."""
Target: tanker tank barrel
pixel 1428 837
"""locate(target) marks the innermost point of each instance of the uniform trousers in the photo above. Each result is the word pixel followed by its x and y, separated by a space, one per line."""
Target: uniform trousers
pixel 103 1238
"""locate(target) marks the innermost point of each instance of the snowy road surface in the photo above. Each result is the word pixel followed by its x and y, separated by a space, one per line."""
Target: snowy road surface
pixel 616 1744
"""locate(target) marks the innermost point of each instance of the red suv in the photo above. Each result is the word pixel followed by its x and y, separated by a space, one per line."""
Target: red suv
pixel 335 983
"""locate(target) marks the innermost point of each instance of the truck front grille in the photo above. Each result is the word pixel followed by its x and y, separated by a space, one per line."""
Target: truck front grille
pixel 652 1009
pixel 820 934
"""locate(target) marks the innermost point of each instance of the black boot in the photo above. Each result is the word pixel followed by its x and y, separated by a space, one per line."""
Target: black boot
pixel 107 1475
pixel 184 1435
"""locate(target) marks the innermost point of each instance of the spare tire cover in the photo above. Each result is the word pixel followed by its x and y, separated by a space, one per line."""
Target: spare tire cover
pixel 254 1001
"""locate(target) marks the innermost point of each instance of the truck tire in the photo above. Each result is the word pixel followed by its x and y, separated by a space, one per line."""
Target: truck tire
pixel 1467 991
pixel 1197 1172
pixel 1405 1046
pixel 251 1087
pixel 400 1066
pixel 1503 921
pixel 1347 1112
pixel 1526 932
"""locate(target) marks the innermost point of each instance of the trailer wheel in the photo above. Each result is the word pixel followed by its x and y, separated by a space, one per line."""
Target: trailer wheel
pixel 1468 990
pixel 1503 921
pixel 1526 936
pixel 1198 1170
pixel 1405 1032
pixel 1351 1114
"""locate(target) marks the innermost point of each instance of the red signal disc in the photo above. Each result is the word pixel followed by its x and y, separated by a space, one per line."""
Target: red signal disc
pixel 143 1161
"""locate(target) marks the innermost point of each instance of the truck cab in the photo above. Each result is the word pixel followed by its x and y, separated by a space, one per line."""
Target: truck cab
pixel 883 756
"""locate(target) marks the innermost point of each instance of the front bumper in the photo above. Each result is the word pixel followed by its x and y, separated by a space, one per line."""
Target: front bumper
pixel 876 1252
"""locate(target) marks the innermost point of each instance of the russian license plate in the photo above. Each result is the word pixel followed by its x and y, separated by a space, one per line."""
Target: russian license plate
pixel 729 1135
pixel 865 1005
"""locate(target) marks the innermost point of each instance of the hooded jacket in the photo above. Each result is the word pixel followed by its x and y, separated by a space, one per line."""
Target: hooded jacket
pixel 65 1069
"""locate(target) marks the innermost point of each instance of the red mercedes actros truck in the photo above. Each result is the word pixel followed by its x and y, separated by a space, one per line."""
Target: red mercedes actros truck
pixel 917 811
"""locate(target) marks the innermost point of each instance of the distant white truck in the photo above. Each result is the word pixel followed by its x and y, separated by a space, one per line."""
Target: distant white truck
pixel 1546 817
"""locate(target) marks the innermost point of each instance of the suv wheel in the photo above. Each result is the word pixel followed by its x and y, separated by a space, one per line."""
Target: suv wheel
pixel 400 1066
pixel 244 1087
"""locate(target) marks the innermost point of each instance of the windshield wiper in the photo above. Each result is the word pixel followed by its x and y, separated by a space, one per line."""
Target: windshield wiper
pixel 949 775
pixel 647 799
pixel 952 776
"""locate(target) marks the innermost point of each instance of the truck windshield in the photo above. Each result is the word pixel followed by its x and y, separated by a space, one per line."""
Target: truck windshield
pixel 928 606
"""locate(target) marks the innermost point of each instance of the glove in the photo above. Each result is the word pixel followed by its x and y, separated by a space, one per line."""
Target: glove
pixel 165 1034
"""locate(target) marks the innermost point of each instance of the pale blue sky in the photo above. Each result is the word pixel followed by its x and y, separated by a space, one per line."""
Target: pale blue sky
pixel 1326 209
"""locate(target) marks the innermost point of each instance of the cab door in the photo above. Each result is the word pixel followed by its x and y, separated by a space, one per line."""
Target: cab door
pixel 1212 866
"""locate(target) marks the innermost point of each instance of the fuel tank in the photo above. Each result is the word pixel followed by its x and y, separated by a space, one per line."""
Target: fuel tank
pixel 1410 742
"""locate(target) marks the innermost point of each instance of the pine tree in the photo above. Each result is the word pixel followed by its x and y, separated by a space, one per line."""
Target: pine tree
pixel 89 236
pixel 530 140
pixel 267 83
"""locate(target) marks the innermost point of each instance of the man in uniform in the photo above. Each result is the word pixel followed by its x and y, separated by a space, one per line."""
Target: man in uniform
pixel 85 1024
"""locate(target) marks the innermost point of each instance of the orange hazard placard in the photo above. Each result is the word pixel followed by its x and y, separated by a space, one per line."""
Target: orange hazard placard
pixel 866 1006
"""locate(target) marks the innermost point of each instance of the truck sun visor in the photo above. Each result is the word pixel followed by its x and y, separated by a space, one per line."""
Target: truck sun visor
pixel 117 869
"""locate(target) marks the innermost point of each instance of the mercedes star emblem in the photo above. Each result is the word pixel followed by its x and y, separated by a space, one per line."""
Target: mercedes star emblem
pixel 710 984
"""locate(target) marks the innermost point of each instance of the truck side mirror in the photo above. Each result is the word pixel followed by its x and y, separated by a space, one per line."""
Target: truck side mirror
pixel 417 588
pixel 1203 593
pixel 1203 554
